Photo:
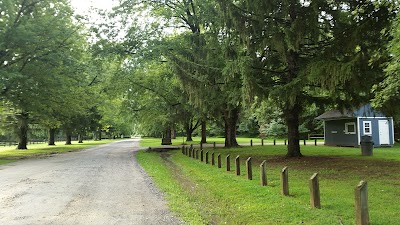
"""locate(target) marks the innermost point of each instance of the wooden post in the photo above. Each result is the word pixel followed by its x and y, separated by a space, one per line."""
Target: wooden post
pixel 314 191
pixel 251 142
pixel 361 200
pixel 201 155
pixel 191 146
pixel 315 142
pixel 219 160
pixel 213 159
pixel 249 169
pixel 285 141
pixel 285 181
pixel 262 142
pixel 207 157
pixel 263 173
pixel 187 151
pixel 237 165
pixel 228 163
pixel 214 145
pixel 194 153
pixel 274 141
pixel 201 145
pixel 304 142
pixel 190 152
pixel 197 154
pixel 183 149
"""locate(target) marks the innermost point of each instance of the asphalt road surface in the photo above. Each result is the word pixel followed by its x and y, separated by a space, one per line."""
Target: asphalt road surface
pixel 100 185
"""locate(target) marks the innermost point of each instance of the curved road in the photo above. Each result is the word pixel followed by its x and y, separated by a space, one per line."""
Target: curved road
pixel 100 185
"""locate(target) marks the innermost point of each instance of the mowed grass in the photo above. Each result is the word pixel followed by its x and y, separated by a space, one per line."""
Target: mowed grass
pixel 11 154
pixel 152 142
pixel 204 194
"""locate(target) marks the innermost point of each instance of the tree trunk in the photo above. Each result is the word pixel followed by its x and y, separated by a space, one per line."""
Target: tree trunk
pixel 231 118
pixel 99 134
pixel 292 115
pixel 22 132
pixel 173 133
pixel 189 130
pixel 52 136
pixel 203 131
pixel 189 135
pixel 166 140
pixel 68 138
pixel 80 138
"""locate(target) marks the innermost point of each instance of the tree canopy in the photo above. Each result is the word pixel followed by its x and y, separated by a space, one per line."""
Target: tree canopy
pixel 173 65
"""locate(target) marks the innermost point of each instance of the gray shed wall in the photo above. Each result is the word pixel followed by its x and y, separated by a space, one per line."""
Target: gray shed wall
pixel 335 135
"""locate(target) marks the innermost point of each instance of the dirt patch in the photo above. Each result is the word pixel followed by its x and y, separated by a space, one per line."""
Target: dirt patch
pixel 186 183
pixel 162 149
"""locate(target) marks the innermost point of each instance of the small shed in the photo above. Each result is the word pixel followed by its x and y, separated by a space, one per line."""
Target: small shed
pixel 345 128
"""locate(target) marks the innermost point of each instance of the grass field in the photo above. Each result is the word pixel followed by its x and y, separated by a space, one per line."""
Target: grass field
pixel 10 154
pixel 152 142
pixel 204 194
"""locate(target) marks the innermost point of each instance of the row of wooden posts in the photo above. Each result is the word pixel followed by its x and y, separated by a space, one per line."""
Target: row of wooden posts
pixel 285 142
pixel 361 191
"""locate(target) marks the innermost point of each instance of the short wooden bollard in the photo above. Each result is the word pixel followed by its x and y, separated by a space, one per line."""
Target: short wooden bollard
pixel 361 200
pixel 206 157
pixel 285 142
pixel 201 155
pixel 187 151
pixel 197 154
pixel 213 159
pixel 304 141
pixel 274 142
pixel 219 161
pixel 201 145
pixel 249 169
pixel 237 165
pixel 214 145
pixel 263 173
pixel 314 191
pixel 285 181
pixel 315 142
pixel 190 152
pixel 194 153
pixel 183 149
pixel 251 142
pixel 228 163
pixel 262 142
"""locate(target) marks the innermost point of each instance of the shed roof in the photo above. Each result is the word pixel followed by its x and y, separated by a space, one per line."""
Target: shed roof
pixel 336 114
pixel 363 111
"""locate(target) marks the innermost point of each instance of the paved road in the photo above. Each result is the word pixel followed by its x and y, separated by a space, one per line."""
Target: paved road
pixel 101 185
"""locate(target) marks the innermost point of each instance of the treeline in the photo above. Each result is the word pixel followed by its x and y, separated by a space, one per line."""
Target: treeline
pixel 214 66
pixel 277 64
pixel 50 77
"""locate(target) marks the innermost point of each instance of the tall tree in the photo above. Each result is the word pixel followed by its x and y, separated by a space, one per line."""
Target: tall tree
pixel 39 47
pixel 192 54
pixel 300 50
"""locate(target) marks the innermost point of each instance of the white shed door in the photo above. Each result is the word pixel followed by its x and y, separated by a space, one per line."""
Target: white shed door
pixel 384 132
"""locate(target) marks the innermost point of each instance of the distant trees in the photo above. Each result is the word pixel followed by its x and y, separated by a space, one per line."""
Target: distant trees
pixel 43 60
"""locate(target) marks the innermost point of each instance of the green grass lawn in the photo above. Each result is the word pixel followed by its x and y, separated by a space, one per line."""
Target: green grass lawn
pixel 205 194
pixel 152 142
pixel 10 154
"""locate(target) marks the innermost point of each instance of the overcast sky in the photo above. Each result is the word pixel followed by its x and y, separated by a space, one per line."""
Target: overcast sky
pixel 82 6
